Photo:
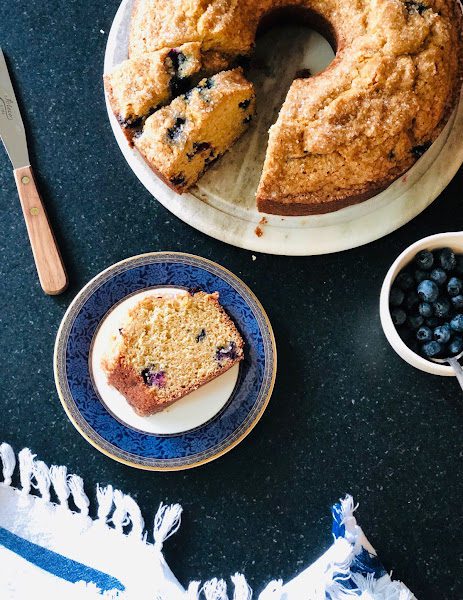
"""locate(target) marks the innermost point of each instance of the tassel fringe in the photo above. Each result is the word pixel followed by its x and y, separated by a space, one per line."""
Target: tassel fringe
pixel 8 461
pixel 166 523
pixel 112 505
pixel 124 513
pixel 215 589
pixel 242 589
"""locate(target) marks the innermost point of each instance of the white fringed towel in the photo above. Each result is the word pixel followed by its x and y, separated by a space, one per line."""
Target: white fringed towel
pixel 49 551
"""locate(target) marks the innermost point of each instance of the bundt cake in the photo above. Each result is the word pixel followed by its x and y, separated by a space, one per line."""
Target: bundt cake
pixel 170 346
pixel 350 131
pixel 182 139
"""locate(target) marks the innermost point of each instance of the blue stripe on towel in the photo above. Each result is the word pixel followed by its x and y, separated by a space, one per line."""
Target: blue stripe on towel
pixel 56 564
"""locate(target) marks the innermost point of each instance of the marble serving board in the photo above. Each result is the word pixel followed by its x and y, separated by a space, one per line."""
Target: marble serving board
pixel 222 204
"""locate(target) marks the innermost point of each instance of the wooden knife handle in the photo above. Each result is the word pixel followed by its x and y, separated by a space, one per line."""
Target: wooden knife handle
pixel 47 258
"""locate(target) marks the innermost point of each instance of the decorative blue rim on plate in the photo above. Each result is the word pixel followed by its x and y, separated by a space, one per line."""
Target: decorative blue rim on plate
pixel 146 450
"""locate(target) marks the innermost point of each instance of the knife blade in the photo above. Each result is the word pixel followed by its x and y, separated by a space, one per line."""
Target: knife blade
pixel 12 129
pixel 48 262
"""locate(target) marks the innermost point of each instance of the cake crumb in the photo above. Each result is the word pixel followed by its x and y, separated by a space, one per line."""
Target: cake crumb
pixel 263 221
pixel 258 231
pixel 254 257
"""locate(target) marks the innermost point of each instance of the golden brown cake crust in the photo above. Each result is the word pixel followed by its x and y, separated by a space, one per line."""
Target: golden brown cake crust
pixel 353 129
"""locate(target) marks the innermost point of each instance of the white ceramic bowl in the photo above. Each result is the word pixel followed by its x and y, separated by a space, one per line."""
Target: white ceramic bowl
pixel 452 240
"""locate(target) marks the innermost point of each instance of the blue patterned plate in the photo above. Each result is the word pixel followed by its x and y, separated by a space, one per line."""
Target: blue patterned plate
pixel 132 445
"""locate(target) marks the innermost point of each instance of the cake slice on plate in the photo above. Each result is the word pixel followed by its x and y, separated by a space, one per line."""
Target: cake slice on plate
pixel 181 140
pixel 139 86
pixel 170 346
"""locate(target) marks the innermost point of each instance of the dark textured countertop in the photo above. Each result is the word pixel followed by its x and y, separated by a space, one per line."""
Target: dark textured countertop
pixel 347 414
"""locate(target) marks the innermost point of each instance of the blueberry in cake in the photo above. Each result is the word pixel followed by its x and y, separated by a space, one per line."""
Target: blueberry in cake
pixel 181 140
pixel 170 346
pixel 426 303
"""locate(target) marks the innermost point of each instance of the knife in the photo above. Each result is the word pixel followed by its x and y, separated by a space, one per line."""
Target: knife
pixel 47 258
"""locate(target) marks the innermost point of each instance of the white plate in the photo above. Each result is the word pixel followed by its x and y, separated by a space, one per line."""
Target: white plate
pixel 190 412
pixel 222 205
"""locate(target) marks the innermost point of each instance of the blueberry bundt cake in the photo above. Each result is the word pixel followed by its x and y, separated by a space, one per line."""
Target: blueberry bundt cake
pixel 350 131
pixel 182 139
pixel 170 346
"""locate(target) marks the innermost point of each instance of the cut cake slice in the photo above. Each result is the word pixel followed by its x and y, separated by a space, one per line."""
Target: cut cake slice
pixel 181 140
pixel 170 346
pixel 138 87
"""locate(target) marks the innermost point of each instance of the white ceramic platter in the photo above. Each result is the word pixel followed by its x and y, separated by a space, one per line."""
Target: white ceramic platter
pixel 222 205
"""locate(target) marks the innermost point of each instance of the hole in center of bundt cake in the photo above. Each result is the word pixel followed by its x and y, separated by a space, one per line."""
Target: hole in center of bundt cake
pixel 299 15
pixel 283 52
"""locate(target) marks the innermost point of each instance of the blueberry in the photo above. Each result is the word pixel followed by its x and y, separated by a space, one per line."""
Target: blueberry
pixel 396 296
pixel 424 334
pixel 415 321
pixel 420 275
pixel 178 179
pixel 411 300
pixel 439 276
pixel 457 323
pixel 226 352
pixel 455 346
pixel 457 301
pixel 441 308
pixel 207 83
pixel 419 150
pixel 174 132
pixel 153 378
pixel 431 349
pixel 201 335
pixel 433 322
pixel 454 286
pixel 418 7
pixel 198 147
pixel 442 333
pixel 425 309
pixel 447 259
pixel 179 85
pixel 428 291
pixel 404 281
pixel 424 260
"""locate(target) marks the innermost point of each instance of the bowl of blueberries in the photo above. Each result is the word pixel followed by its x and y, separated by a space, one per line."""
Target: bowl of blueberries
pixel 421 303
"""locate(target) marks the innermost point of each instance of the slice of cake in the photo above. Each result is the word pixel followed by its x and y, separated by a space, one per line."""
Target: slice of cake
pixel 181 140
pixel 139 86
pixel 169 347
